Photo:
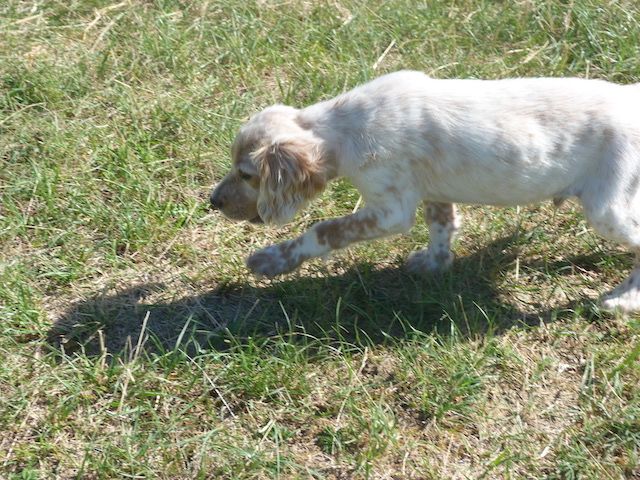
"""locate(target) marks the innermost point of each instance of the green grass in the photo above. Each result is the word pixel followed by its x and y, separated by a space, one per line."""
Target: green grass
pixel 134 343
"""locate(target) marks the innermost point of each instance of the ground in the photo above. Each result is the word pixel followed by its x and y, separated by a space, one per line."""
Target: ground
pixel 135 344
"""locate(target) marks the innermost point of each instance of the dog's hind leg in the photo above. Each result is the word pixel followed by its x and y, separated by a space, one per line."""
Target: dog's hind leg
pixel 444 223
pixel 615 214
pixel 626 296
pixel 621 224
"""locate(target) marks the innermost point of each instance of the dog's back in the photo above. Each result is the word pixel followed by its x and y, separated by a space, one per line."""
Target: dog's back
pixel 467 138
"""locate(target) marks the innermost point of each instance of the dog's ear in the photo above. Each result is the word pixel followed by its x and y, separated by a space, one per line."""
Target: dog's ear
pixel 291 174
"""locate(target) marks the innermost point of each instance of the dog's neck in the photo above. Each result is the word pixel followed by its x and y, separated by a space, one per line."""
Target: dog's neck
pixel 323 120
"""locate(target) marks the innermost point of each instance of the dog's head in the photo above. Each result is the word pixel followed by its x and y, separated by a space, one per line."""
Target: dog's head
pixel 277 169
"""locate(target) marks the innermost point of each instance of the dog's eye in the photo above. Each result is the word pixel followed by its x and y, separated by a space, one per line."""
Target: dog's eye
pixel 244 175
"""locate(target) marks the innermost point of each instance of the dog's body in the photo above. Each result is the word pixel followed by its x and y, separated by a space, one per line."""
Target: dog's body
pixel 404 138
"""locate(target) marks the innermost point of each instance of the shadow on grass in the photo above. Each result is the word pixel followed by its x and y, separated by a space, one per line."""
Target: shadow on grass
pixel 364 305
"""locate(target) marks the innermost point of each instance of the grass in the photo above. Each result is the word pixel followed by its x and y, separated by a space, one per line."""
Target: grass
pixel 133 342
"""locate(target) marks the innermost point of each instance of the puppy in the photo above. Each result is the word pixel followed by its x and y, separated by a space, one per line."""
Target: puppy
pixel 405 138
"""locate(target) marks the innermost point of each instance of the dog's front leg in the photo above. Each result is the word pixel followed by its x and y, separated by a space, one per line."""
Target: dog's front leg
pixel 367 224
pixel 444 223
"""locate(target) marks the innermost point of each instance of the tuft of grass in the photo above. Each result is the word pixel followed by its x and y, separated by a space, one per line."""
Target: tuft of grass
pixel 133 343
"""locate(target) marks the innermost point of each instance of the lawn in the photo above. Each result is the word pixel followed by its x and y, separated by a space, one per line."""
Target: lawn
pixel 135 344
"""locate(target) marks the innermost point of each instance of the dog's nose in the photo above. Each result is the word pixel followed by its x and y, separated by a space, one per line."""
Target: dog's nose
pixel 216 202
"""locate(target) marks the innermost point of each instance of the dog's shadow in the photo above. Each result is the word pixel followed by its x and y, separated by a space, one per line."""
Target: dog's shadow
pixel 364 304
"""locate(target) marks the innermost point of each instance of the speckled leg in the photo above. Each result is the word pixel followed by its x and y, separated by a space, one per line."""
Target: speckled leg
pixel 444 224
pixel 367 224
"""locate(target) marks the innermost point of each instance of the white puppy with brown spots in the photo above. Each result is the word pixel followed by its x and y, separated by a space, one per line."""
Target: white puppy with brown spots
pixel 405 138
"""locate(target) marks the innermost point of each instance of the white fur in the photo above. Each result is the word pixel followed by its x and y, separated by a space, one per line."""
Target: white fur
pixel 405 138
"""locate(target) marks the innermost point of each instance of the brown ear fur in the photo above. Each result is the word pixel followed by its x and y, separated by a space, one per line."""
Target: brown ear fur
pixel 291 174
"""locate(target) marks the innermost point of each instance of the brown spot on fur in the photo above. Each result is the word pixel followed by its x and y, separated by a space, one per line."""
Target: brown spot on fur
pixel 633 184
pixel 558 148
pixel 415 164
pixel 434 142
pixel 441 213
pixel 392 190
pixel 303 122
pixel 340 232
pixel 339 102
pixel 608 134
pixel 544 117
pixel 287 248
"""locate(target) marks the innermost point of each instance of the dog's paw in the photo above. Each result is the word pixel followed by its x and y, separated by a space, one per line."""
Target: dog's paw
pixel 622 304
pixel 626 302
pixel 272 261
pixel 429 262
pixel 626 296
